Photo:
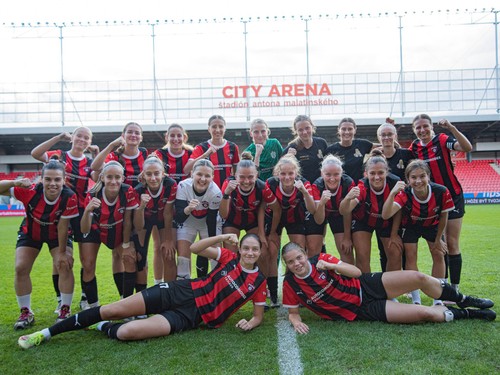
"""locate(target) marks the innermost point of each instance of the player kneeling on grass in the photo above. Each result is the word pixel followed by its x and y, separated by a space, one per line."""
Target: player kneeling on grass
pixel 336 290
pixel 49 208
pixel 182 304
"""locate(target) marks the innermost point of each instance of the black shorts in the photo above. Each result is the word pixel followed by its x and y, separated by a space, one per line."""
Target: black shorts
pixel 412 233
pixel 246 228
pixel 291 228
pixel 95 237
pixel 373 298
pixel 312 227
pixel 459 210
pixel 336 224
pixel 24 240
pixel 361 226
pixel 175 302
pixel 75 222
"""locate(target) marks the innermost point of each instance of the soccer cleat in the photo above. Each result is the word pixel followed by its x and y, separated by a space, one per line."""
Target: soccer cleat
pixel 84 305
pixel 29 341
pixel 26 319
pixel 480 303
pixel 274 304
pixel 64 313
pixel 484 314
pixel 58 308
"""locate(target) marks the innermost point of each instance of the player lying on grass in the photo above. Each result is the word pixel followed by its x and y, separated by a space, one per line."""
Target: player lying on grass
pixel 336 290
pixel 183 304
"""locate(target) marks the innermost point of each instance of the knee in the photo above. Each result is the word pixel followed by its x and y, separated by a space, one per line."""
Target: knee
pixel 88 264
pixel 431 314
pixel 22 268
pixel 128 332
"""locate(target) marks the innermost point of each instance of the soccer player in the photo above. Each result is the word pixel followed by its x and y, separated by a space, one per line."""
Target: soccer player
pixel 349 150
pixel 294 195
pixel 425 206
pixel 175 155
pixel 435 150
pixel 79 177
pixel 308 149
pixel 125 150
pixel 107 219
pixel 243 207
pixel 223 154
pixel 156 192
pixel 328 191
pixel 196 213
pixel 265 151
pixel 49 205
pixel 183 304
pixel 336 290
pixel 365 201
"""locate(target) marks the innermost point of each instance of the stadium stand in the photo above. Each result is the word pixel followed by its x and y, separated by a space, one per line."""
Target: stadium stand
pixel 478 175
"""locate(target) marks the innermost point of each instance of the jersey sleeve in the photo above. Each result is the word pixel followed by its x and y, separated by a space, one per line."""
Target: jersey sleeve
pixel 260 295
pixel 447 202
pixel 71 209
pixel 401 198
pixel 290 299
pixel 268 195
pixel 215 197
pixel 448 141
pixel 329 258
pixel 23 195
pixel 51 153
pixel 197 152
pixel 173 193
pixel 236 156
pixel 111 156
pixel 132 202
pixel 308 187
pixel 225 256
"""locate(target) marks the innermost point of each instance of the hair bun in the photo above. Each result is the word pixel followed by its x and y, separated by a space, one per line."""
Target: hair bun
pixel 390 121
pixel 246 155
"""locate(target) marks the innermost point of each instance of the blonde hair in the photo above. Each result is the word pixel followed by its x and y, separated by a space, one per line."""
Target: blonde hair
pixel 150 160
pixel 287 159
pixel 331 160
pixel 185 139
pixel 297 141
pixel 99 184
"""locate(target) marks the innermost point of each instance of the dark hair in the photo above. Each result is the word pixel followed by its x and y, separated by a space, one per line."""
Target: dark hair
pixel 251 235
pixel 297 141
pixel 376 156
pixel 347 119
pixel 54 164
pixel 417 164
pixel 420 117
pixel 216 117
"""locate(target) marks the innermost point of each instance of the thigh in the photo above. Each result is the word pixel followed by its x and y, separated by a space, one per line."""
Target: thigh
pixel 453 229
pixel 140 329
pixel 25 257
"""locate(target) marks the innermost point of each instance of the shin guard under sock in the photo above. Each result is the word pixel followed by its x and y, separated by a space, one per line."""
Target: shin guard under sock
pixel 80 320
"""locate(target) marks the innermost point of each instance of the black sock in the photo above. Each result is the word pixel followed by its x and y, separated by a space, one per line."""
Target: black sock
pixel 90 290
pixel 446 263
pixel 272 284
pixel 55 281
pixel 118 277
pixel 458 313
pixel 140 287
pixel 80 320
pixel 201 266
pixel 112 330
pixel 84 295
pixel 450 294
pixel 455 264
pixel 128 283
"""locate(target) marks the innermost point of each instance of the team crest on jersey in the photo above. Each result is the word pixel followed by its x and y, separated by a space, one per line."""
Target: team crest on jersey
pixel 58 212
pixel 401 165
pixel 121 210
pixel 256 203
pixel 230 155
pixel 434 149
pixel 436 209
pixel 322 276
pixel 320 154
pixel 309 302
pixel 86 169
pixel 251 287
pixel 273 154
pixel 223 272
pixel 358 153
pixel 204 204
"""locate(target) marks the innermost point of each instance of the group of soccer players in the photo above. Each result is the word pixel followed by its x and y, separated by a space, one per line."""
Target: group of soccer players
pixel 121 197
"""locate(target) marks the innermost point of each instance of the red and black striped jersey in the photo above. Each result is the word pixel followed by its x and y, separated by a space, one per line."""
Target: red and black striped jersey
pixel 292 205
pixel 109 217
pixel 370 203
pixel 132 164
pixel 228 287
pixel 153 213
pixel 244 206
pixel 332 206
pixel 223 160
pixel 174 164
pixel 43 216
pixel 78 173
pixel 327 294
pixel 437 154
pixel 426 212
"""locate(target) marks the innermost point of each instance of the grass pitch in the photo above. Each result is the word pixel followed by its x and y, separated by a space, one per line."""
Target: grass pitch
pixel 469 347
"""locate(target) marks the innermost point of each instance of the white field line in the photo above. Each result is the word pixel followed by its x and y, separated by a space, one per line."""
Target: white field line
pixel 288 349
